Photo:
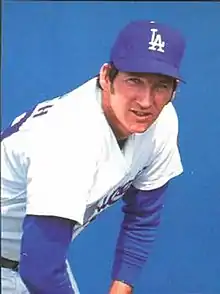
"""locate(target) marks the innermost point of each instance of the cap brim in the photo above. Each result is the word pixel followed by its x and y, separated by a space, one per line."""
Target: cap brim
pixel 147 66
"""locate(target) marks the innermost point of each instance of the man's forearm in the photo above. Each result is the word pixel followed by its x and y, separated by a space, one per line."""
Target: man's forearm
pixel 119 287
pixel 137 234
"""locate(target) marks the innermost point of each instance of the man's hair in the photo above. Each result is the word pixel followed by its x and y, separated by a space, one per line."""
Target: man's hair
pixel 112 73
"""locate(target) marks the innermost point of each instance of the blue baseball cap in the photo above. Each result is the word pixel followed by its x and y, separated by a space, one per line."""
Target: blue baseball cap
pixel 148 47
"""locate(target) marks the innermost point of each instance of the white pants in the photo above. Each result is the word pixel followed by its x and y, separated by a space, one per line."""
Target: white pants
pixel 11 282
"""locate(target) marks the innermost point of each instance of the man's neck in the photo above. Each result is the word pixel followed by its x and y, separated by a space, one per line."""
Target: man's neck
pixel 122 142
pixel 114 123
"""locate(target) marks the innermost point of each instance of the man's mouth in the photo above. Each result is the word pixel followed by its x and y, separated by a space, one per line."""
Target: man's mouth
pixel 140 113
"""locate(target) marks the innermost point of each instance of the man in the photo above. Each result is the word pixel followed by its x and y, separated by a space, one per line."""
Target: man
pixel 71 157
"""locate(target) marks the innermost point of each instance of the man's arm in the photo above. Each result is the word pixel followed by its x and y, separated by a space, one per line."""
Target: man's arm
pixel 142 217
pixel 44 248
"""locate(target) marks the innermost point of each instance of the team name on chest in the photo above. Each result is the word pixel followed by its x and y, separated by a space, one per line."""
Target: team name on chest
pixel 109 199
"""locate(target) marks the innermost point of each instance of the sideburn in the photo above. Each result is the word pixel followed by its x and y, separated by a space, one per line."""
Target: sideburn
pixel 112 89
pixel 110 115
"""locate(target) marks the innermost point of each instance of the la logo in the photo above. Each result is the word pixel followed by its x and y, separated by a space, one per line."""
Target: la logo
pixel 156 43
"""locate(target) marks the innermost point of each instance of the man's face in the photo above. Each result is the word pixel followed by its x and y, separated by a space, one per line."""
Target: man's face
pixel 134 100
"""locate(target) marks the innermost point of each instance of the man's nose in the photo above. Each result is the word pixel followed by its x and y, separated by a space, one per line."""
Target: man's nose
pixel 146 98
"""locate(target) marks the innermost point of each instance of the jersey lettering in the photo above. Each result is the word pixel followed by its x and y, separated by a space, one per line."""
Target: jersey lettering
pixel 42 110
pixel 108 201
pixel 112 198
pixel 14 128
pixel 34 112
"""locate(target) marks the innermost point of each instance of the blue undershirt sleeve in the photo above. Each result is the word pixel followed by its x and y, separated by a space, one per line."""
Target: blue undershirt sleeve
pixel 44 247
pixel 138 229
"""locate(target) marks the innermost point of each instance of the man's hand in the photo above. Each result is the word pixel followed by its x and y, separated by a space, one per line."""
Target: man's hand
pixel 120 288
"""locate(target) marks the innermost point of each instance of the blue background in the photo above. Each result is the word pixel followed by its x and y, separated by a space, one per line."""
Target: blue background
pixel 51 47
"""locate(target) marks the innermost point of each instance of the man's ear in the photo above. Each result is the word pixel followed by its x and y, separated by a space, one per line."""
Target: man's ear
pixel 175 90
pixel 103 76
pixel 173 95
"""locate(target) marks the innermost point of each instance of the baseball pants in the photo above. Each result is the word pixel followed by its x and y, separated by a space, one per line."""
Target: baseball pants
pixel 11 282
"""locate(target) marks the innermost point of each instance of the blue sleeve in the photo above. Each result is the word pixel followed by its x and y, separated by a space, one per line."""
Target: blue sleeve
pixel 141 219
pixel 44 247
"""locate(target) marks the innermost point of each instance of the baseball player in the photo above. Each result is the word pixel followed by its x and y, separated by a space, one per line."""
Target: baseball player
pixel 69 158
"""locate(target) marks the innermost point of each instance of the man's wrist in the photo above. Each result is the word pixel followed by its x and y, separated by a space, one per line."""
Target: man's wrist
pixel 120 287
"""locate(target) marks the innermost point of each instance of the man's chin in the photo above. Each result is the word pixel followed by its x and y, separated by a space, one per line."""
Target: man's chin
pixel 134 129
pixel 139 129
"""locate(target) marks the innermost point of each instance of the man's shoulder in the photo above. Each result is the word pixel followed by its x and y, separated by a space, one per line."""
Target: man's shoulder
pixel 76 108
pixel 166 124
pixel 168 118
pixel 75 112
pixel 163 132
pixel 79 111
pixel 83 93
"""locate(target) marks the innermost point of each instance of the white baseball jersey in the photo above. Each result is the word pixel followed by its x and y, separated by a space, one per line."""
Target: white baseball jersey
pixel 62 159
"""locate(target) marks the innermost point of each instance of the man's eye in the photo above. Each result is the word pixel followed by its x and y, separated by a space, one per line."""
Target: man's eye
pixel 134 81
pixel 163 86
